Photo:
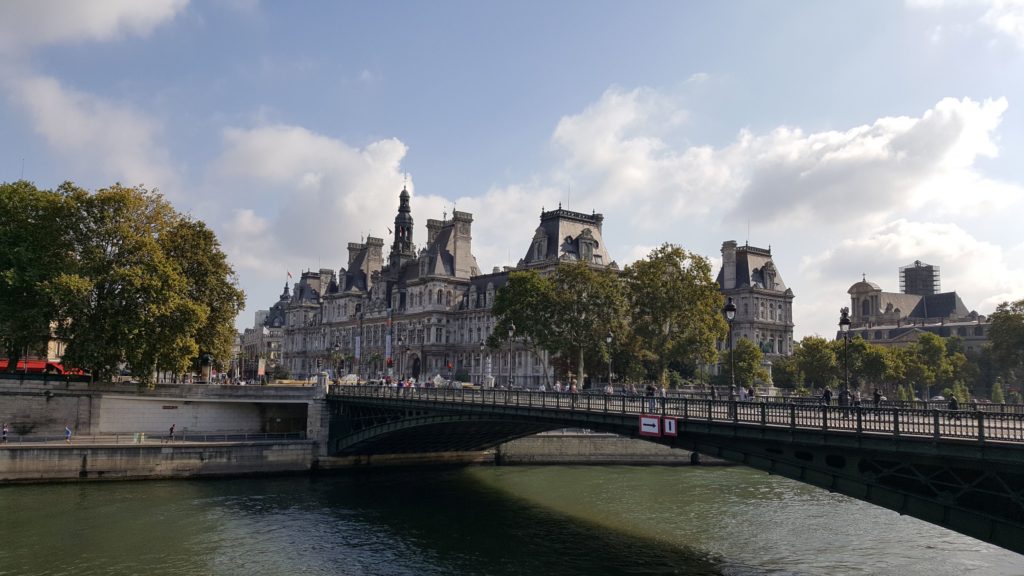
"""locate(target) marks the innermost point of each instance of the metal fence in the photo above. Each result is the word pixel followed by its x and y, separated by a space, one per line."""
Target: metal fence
pixel 144 438
pixel 981 425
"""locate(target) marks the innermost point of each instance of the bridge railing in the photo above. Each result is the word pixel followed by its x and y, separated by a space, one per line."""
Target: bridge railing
pixel 977 425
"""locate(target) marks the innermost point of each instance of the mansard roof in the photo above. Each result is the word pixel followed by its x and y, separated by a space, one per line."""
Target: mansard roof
pixel 567 235
pixel 754 269
pixel 943 305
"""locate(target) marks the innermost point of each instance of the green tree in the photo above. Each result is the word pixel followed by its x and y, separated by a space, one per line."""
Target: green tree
pixel 146 286
pixel 786 372
pixel 1006 334
pixel 34 240
pixel 571 313
pixel 674 308
pixel 210 283
pixel 997 393
pixel 816 358
pixel 747 358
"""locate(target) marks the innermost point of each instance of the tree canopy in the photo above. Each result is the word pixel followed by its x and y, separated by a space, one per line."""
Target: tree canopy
pixel 674 308
pixel 123 279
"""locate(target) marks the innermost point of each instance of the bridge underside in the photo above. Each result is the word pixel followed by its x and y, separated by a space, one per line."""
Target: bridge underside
pixel 975 489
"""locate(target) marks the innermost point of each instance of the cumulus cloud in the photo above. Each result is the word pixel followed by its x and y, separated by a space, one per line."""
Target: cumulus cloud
pixel 857 198
pixel 25 24
pixel 104 140
pixel 617 152
pixel 1004 17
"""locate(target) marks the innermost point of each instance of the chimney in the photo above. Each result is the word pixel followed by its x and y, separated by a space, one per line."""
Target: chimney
pixel 728 265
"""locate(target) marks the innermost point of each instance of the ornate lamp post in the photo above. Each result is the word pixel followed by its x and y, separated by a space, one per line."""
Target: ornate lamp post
pixel 511 334
pixel 401 359
pixel 730 314
pixel 844 327
pixel 608 341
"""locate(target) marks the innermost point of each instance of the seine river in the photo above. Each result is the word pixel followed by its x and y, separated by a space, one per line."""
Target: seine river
pixel 536 521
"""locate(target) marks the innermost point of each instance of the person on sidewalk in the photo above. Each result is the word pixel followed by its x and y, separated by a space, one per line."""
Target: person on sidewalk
pixel 67 433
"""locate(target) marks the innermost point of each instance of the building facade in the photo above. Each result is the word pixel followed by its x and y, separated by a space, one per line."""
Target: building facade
pixel 425 312
pixel 764 304
pixel 898 318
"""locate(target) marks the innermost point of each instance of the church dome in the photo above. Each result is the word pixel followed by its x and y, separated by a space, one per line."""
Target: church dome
pixel 863 286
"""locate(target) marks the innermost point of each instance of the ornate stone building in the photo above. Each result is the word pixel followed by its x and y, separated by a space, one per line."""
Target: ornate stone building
pixel 427 312
pixel 764 304
pixel 259 351
pixel 898 318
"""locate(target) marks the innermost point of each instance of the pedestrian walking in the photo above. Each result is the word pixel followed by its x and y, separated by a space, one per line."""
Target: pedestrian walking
pixel 170 434
pixel 5 432
pixel 649 392
pixel 826 396
pixel 67 433
pixel 877 398
pixel 954 407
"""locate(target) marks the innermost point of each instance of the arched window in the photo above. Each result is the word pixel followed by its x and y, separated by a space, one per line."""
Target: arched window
pixel 440 296
pixel 865 308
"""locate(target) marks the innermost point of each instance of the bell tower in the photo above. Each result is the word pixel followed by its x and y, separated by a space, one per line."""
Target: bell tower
pixel 402 248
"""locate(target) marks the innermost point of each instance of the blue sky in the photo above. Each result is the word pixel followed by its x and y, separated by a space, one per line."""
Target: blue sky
pixel 853 138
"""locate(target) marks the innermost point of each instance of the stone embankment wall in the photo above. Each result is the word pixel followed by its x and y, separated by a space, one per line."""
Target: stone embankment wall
pixel 28 463
pixel 587 449
pixel 44 407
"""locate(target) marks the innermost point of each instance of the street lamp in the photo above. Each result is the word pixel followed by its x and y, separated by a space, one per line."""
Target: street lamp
pixel 844 327
pixel 608 341
pixel 401 360
pixel 511 333
pixel 730 315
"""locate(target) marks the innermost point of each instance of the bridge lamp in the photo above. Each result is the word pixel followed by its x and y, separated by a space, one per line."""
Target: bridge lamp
pixel 730 314
pixel 844 328
pixel 511 334
pixel 608 341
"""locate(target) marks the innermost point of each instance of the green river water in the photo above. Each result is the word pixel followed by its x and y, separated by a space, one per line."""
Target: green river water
pixel 557 520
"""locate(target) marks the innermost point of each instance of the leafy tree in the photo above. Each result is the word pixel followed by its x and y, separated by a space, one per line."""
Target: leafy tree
pixel 817 361
pixel 145 286
pixel 786 372
pixel 525 301
pixel 997 393
pixel 1006 334
pixel 34 238
pixel 568 313
pixel 210 283
pixel 674 308
pixel 747 358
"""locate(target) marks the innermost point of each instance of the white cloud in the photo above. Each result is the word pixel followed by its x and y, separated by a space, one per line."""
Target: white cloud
pixel 28 23
pixel 803 191
pixel 868 173
pixel 1004 17
pixel 104 140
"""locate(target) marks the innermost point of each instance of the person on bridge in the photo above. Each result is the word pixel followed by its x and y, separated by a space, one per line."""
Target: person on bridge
pixel 844 402
pixel 954 407
pixel 877 398
pixel 170 434
pixel 67 433
pixel 826 396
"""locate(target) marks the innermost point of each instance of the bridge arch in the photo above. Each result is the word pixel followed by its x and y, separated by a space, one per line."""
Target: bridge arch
pixel 976 488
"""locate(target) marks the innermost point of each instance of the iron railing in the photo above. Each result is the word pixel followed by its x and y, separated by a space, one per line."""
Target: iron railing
pixel 980 425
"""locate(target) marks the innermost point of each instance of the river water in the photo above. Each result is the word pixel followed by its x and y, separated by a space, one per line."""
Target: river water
pixel 514 520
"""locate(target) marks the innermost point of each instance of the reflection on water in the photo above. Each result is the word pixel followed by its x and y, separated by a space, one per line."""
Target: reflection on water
pixel 483 520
